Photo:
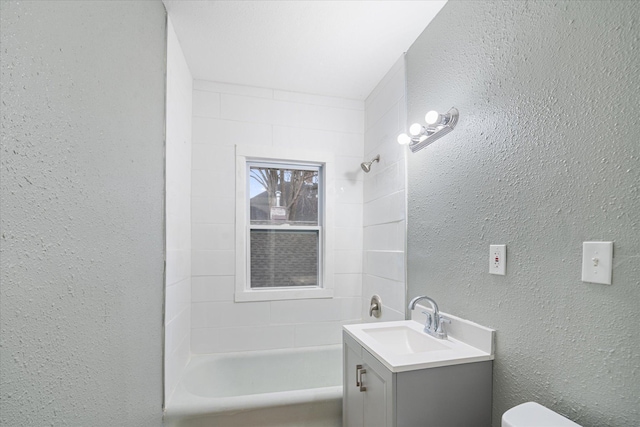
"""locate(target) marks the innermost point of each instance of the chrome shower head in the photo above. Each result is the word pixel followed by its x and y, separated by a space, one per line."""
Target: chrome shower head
pixel 366 166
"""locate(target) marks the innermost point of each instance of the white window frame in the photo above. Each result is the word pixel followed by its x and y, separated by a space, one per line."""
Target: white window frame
pixel 260 154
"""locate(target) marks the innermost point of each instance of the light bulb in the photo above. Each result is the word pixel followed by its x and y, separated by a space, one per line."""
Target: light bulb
pixel 415 129
pixel 404 139
pixel 432 117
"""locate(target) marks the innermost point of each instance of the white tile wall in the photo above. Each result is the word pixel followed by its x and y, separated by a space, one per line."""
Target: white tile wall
pixel 213 237
pixel 348 261
pixel 225 115
pixel 292 114
pixel 213 263
pixel 325 333
pixel 206 104
pixel 217 87
pixel 177 331
pixel 212 314
pixel 178 299
pixel 350 285
pixel 348 216
pixel 227 133
pixel 348 168
pixel 386 95
pixel 385 237
pixel 212 183
pixel 386 264
pixel 392 299
pixel 326 101
pixel 384 233
pixel 229 339
pixel 207 210
pixel 386 209
pixel 348 192
pixel 178 214
pixel 348 239
pixel 212 288
pixel 304 311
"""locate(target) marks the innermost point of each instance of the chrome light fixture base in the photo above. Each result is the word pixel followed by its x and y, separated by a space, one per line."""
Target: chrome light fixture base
pixel 438 125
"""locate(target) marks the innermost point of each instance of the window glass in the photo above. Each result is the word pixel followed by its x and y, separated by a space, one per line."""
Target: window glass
pixel 284 258
pixel 283 196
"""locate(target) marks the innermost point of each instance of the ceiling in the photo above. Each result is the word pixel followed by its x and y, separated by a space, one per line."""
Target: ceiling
pixel 335 48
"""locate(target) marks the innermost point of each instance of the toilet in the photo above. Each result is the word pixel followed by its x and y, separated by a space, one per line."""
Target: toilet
pixel 532 414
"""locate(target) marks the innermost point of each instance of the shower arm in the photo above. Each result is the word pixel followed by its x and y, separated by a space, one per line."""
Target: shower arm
pixel 366 166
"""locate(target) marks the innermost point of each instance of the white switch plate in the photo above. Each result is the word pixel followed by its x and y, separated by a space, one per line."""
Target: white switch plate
pixel 597 262
pixel 498 259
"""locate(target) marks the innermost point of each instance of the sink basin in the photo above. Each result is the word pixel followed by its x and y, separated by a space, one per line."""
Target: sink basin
pixel 405 340
pixel 404 346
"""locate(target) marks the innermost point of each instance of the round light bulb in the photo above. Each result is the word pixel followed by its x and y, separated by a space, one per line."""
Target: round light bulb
pixel 415 129
pixel 404 139
pixel 432 117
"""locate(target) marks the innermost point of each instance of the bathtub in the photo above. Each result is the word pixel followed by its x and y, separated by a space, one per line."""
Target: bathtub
pixel 276 388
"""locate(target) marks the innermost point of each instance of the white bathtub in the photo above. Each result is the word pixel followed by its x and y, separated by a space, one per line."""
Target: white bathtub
pixel 276 388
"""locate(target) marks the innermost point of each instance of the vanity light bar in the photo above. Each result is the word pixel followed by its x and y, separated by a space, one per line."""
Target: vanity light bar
pixel 438 125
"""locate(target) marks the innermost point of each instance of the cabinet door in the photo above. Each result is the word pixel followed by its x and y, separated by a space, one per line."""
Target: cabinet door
pixel 352 405
pixel 378 397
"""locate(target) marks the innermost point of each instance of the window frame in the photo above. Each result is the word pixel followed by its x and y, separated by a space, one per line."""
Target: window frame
pixel 319 227
pixel 276 156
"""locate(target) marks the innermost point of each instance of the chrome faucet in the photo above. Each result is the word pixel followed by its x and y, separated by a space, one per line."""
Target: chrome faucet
pixel 433 326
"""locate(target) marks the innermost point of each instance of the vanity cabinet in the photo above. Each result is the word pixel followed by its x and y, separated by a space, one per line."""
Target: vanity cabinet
pixel 365 405
pixel 373 396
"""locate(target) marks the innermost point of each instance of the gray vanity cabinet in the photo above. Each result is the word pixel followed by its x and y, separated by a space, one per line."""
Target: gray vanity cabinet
pixel 365 405
pixel 457 395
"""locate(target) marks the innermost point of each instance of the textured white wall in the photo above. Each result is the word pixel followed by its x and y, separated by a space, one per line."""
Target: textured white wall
pixel 225 115
pixel 178 214
pixel 82 213
pixel 384 197
pixel 546 155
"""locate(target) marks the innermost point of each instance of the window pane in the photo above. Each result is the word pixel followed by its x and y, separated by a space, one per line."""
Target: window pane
pixel 284 258
pixel 283 196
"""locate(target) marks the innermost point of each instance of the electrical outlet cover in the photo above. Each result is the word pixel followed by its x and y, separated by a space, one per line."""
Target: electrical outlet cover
pixel 498 259
pixel 597 262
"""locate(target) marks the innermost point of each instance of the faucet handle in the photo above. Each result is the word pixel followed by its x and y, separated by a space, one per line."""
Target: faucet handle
pixel 441 326
pixel 429 321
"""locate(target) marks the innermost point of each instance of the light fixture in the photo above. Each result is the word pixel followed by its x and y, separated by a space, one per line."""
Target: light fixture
pixel 438 125
pixel 416 129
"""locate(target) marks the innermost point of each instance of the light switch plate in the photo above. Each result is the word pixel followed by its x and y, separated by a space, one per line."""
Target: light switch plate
pixel 597 262
pixel 498 259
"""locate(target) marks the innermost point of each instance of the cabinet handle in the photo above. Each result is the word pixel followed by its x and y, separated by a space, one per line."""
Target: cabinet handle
pixel 359 372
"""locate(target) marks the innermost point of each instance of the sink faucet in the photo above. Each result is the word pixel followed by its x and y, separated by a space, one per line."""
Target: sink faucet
pixel 433 325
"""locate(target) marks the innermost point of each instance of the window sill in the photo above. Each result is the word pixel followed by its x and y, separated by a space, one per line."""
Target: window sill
pixel 282 294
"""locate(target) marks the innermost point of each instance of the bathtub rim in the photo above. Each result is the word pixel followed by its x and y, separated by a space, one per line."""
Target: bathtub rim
pixel 183 403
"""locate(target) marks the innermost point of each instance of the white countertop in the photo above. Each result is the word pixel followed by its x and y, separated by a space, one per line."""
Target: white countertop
pixel 455 353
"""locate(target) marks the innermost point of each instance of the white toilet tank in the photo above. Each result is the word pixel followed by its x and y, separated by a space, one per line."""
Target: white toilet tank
pixel 532 414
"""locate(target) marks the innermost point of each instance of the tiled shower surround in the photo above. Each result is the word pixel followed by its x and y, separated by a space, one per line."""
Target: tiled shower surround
pixel 369 213
pixel 225 115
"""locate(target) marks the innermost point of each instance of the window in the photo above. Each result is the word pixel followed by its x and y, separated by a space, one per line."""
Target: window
pixel 284 224
pixel 283 229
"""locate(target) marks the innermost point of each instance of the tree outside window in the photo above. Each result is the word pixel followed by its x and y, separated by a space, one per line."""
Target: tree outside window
pixel 293 190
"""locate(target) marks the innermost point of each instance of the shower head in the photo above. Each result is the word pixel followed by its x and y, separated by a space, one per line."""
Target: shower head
pixel 366 166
